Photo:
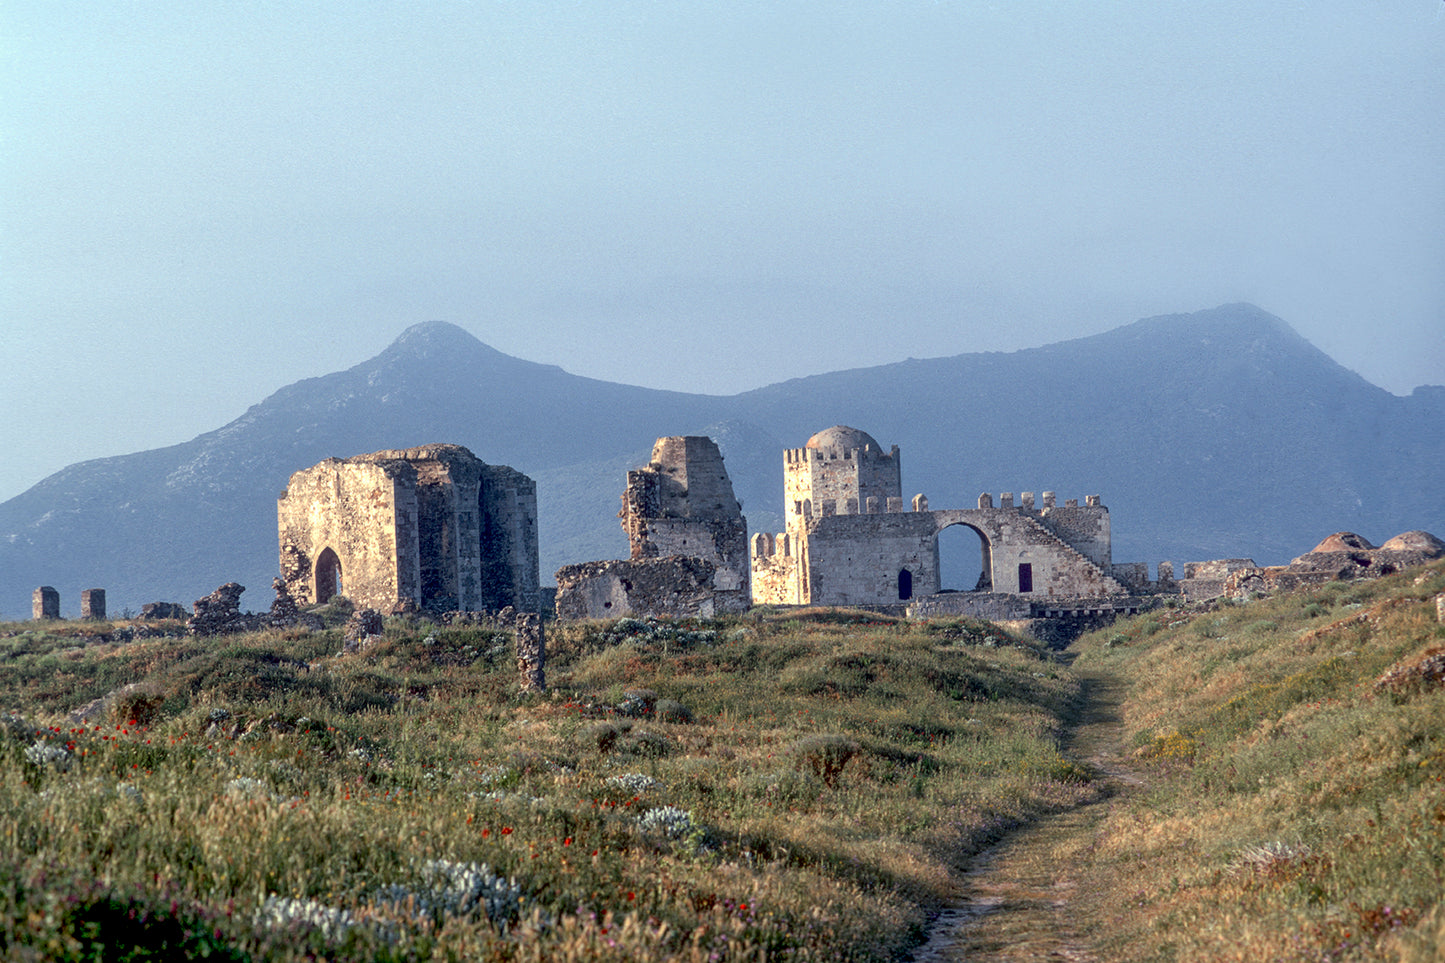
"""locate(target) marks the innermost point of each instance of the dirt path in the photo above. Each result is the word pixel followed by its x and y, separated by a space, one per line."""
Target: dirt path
pixel 1019 895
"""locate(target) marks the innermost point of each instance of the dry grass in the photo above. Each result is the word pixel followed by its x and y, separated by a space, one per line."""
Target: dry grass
pixel 1295 809
pixel 286 803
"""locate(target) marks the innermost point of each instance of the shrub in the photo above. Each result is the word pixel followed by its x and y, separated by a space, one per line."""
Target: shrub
pixel 825 755
pixel 602 736
pixel 669 710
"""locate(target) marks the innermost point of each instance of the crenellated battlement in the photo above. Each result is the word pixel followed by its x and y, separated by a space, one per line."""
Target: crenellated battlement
pixel 852 538
pixel 1047 502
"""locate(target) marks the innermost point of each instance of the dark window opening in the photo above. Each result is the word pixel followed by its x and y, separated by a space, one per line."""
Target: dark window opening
pixel 905 585
pixel 328 575
pixel 1026 577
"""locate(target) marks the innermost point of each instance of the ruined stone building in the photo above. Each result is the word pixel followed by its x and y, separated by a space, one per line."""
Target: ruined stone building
pixel 431 528
pixel 1343 555
pixel 850 539
pixel 688 542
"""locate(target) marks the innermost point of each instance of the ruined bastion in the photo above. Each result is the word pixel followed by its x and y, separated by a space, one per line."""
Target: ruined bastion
pixel 429 528
pixel 688 542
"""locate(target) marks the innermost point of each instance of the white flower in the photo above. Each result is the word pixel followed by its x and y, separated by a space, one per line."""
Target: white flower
pixel 667 821
pixel 48 754
pixel 634 782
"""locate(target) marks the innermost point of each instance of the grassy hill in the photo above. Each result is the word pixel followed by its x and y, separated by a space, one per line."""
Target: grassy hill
pixel 796 785
pixel 803 784
pixel 1293 758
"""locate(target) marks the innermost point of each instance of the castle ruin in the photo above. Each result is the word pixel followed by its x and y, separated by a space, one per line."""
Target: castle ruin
pixel 687 538
pixel 429 528
pixel 849 539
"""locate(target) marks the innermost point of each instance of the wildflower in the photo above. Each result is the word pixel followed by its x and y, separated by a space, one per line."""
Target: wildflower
pixel 667 821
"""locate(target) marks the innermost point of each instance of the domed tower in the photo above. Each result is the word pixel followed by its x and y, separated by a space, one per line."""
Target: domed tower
pixel 840 471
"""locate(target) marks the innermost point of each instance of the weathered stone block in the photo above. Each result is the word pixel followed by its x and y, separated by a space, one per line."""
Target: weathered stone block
pixel 531 653
pixel 45 603
pixel 92 604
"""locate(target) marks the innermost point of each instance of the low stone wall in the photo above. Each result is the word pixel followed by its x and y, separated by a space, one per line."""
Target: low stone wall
pixel 676 586
pixel 995 606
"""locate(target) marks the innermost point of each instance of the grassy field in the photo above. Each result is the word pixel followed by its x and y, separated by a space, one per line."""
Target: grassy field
pixel 783 786
pixel 1293 751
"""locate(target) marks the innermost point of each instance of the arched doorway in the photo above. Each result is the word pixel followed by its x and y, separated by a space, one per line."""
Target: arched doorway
pixel 328 575
pixel 905 585
pixel 964 561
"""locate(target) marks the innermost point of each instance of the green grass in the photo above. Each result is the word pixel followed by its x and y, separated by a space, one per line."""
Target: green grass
pixel 1295 808
pixel 405 803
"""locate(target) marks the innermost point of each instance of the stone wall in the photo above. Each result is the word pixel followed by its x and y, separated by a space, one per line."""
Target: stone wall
pixel 364 514
pixel 683 504
pixel 1085 529
pixel 92 604
pixel 431 527
pixel 509 568
pixel 675 586
pixel 45 603
pixel 850 542
pixel 994 606
pixel 775 570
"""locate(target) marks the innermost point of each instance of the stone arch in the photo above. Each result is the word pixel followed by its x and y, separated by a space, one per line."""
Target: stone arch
pixel 328 575
pixel 952 554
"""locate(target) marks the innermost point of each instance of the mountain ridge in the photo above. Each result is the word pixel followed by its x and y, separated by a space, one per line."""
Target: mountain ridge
pixel 1216 433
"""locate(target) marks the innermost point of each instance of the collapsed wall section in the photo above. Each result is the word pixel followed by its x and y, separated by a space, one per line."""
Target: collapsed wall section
pixel 671 587
pixel 682 503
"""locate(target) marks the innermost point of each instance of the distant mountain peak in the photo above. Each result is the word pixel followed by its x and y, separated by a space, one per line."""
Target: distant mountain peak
pixel 430 336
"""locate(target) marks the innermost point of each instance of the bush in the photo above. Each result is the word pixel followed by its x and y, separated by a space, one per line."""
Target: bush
pixel 825 755
pixel 669 710
pixel 602 736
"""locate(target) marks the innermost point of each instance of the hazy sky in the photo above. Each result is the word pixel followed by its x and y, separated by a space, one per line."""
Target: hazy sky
pixel 202 202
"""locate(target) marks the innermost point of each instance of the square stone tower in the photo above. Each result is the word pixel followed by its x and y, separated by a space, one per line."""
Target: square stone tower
pixel 432 527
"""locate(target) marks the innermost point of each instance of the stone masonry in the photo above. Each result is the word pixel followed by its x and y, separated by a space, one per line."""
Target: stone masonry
pixel 92 604
pixel 675 586
pixel 431 528
pixel 1343 555
pixel 45 603
pixel 688 542
pixel 682 503
pixel 849 540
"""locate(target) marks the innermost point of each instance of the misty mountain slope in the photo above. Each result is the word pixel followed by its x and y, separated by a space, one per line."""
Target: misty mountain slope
pixel 1211 434
pixel 174 523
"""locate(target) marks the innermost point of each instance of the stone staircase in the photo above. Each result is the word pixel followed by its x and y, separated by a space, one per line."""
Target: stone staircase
pixel 1108 585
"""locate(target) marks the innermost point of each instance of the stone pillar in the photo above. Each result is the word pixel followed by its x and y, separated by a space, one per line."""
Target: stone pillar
pixel 1026 500
pixel 985 500
pixel 531 652
pixel 1006 500
pixel 1440 608
pixel 1048 499
pixel 45 603
pixel 92 604
pixel 1166 574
